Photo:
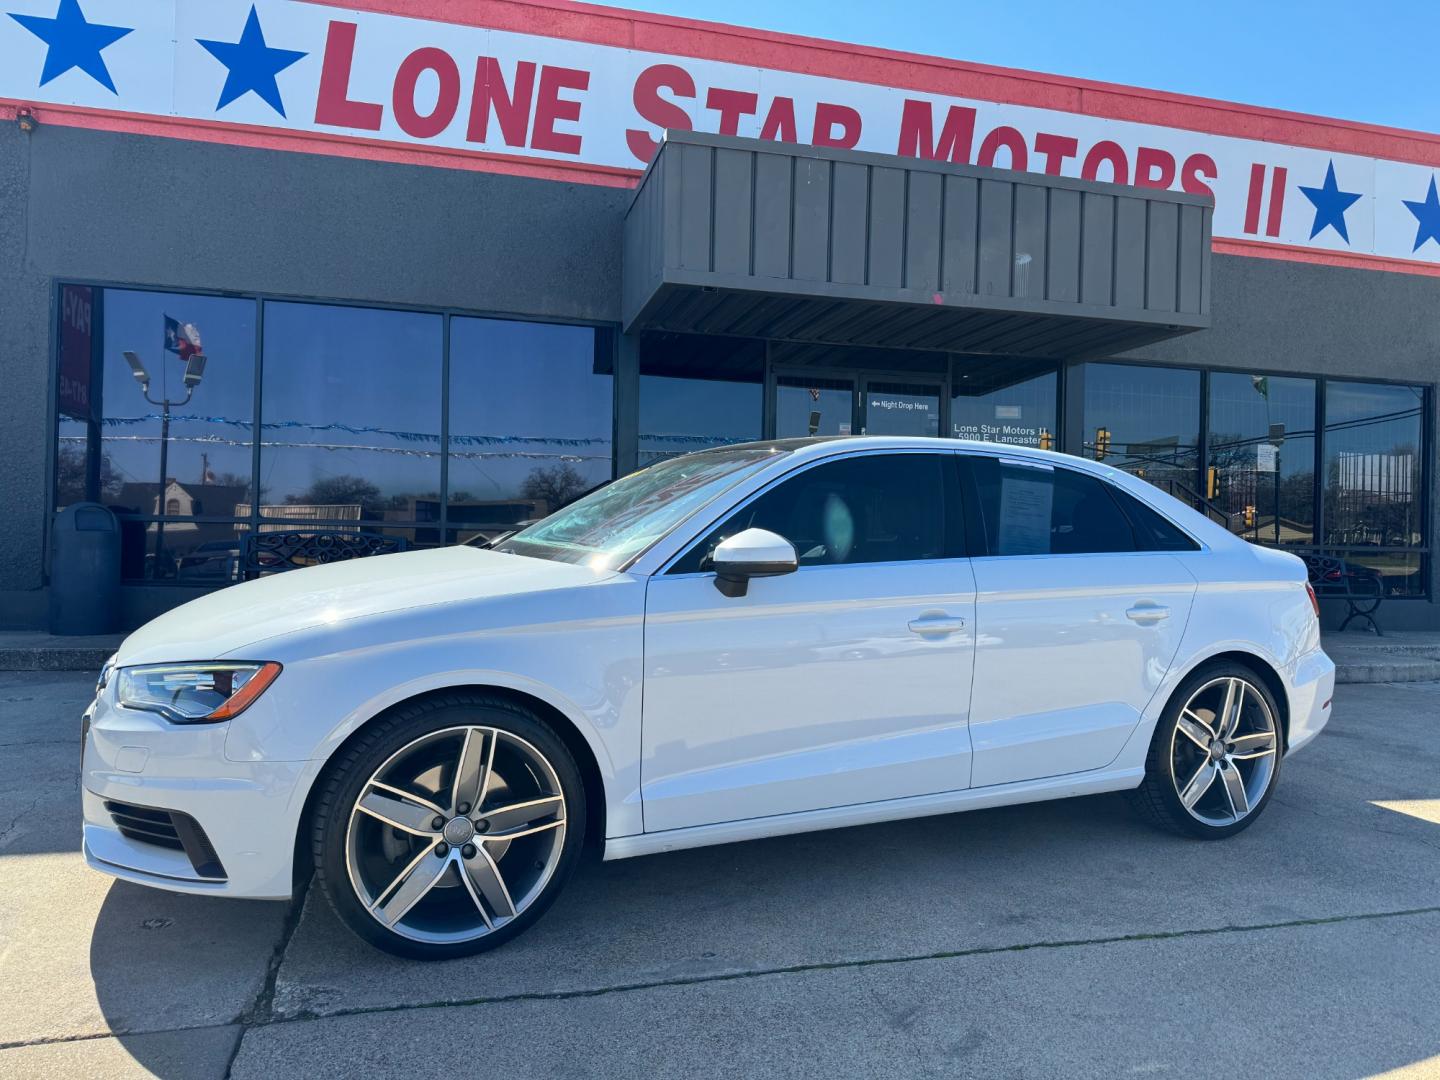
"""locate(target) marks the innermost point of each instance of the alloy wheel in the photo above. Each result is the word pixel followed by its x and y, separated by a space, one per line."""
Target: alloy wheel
pixel 1223 751
pixel 456 834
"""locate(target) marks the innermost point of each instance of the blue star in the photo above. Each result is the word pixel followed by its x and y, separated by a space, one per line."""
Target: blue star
pixel 1330 205
pixel 1427 213
pixel 73 43
pixel 253 65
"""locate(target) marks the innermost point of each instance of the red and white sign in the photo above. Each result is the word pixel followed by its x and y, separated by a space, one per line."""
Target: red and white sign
pixel 77 316
pixel 557 90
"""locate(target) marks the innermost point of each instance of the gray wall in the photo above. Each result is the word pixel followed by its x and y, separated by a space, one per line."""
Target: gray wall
pixel 161 212
pixel 1316 320
pixel 150 211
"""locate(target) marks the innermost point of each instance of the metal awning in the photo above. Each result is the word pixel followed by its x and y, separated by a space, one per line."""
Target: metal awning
pixel 797 243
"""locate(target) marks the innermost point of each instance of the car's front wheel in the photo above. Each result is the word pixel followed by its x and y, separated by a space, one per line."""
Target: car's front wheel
pixel 1215 755
pixel 448 826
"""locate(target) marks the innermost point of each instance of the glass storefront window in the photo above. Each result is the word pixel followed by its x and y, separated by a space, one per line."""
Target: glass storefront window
pixel 1374 437
pixel 1004 401
pixel 698 392
pixel 112 437
pixel 1261 463
pixel 353 403
pixel 135 435
pixel 350 413
pixel 531 415
pixel 1145 420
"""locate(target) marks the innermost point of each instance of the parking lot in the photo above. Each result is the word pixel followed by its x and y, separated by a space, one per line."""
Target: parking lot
pixel 1057 939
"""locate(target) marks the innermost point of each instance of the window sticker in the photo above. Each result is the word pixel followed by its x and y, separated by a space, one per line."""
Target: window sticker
pixel 1025 509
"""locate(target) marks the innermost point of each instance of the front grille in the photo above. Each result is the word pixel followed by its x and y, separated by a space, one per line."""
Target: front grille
pixel 168 829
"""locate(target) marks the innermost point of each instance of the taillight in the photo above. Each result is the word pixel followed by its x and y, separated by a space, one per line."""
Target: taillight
pixel 1314 600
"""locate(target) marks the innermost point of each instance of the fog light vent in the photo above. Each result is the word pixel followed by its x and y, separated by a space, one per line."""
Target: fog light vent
pixel 168 829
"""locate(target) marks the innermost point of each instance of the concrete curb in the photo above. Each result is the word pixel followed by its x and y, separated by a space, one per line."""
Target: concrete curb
pixel 25 650
pixel 1375 662
pixel 53 658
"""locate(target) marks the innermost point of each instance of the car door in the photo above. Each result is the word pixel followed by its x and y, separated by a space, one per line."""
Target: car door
pixel 1077 618
pixel 844 682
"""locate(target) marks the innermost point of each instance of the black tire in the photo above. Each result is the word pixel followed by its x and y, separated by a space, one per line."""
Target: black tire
pixel 1157 799
pixel 347 776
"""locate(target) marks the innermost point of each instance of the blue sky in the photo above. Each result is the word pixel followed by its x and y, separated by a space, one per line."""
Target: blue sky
pixel 1374 62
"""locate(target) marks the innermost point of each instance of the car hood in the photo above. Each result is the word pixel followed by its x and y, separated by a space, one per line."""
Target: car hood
pixel 217 625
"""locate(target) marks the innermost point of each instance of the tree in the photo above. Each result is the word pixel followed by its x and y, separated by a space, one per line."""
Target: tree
pixel 343 490
pixel 239 480
pixel 70 465
pixel 554 485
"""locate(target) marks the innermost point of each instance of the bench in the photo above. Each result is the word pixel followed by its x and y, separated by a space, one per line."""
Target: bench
pixel 271 552
pixel 1359 586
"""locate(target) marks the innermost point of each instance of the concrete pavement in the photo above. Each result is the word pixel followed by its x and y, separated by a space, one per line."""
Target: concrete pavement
pixel 1056 939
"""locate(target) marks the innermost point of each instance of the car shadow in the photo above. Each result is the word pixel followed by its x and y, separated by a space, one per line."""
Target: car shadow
pixel 193 966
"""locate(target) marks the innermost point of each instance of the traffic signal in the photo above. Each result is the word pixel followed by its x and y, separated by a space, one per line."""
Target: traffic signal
pixel 1046 442
pixel 1212 483
pixel 1102 443
pixel 1249 517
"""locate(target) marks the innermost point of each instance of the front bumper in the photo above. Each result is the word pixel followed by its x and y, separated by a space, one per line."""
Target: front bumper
pixel 247 812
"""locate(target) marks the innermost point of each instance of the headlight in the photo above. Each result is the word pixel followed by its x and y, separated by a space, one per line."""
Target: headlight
pixel 105 671
pixel 195 693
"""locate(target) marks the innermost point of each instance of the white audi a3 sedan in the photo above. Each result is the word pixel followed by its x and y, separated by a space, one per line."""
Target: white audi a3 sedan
pixel 737 643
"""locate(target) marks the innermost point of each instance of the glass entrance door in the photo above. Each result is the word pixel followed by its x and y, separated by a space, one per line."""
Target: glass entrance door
pixel 830 402
pixel 894 407
pixel 819 404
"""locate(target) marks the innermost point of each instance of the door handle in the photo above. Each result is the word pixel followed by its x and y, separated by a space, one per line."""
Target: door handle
pixel 937 625
pixel 1148 613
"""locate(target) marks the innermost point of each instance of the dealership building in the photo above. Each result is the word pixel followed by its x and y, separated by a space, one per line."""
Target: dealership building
pixel 450 264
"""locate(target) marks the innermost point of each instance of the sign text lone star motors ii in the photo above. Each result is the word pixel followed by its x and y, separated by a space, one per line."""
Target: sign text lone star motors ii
pixel 324 73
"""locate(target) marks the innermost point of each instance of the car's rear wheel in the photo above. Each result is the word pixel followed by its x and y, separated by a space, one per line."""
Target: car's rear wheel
pixel 1215 756
pixel 449 826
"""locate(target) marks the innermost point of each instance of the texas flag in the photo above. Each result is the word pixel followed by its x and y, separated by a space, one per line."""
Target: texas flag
pixel 181 339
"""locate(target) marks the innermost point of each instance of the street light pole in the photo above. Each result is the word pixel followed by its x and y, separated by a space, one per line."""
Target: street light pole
pixel 194 371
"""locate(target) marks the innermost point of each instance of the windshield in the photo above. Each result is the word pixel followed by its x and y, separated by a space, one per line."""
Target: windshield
pixel 609 527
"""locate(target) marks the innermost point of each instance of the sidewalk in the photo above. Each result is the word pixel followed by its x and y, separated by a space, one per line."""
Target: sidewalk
pixel 1400 656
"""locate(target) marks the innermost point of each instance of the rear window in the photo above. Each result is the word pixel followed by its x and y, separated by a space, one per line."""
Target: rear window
pixel 1035 508
pixel 1153 531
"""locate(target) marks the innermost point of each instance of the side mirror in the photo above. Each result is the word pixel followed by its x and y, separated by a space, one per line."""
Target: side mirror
pixel 751 554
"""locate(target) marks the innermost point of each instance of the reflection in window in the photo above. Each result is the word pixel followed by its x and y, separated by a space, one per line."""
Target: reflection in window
pixel 1373 475
pixel 111 435
pixel 200 553
pixel 155 446
pixel 697 392
pixel 351 414
pixel 1262 456
pixel 1004 400
pixel 531 415
pixel 1145 420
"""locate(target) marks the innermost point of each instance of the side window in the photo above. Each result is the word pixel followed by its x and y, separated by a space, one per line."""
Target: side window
pixel 867 509
pixel 1028 510
pixel 1153 531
